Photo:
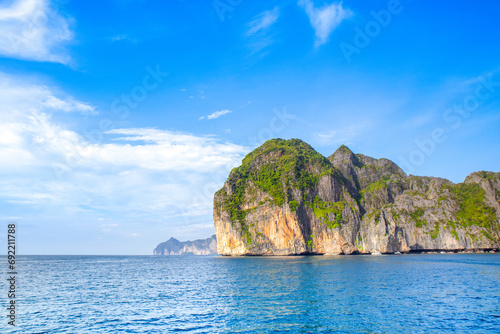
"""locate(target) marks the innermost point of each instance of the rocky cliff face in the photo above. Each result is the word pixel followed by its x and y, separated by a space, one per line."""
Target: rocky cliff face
pixel 287 199
pixel 197 247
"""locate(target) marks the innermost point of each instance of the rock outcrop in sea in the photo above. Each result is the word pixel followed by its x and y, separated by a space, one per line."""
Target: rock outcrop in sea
pixel 287 199
pixel 197 247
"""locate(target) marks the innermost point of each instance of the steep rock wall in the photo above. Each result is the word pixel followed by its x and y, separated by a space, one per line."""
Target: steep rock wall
pixel 287 199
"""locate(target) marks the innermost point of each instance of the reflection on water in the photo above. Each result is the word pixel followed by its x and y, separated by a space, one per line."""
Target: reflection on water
pixel 307 294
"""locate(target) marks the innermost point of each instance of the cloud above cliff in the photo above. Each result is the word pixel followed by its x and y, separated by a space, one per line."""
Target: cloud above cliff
pixel 34 30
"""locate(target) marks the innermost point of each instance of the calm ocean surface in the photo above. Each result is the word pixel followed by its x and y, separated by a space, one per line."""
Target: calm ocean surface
pixel 344 294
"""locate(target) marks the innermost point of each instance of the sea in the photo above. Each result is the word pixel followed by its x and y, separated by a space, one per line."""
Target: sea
pixel 410 293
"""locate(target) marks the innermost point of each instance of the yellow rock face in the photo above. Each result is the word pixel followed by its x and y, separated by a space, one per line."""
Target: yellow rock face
pixel 277 231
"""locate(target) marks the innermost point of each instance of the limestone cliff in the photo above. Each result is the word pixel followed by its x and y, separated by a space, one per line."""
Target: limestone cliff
pixel 288 199
pixel 197 247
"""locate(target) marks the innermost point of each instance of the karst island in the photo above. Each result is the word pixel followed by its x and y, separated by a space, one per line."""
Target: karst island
pixel 287 199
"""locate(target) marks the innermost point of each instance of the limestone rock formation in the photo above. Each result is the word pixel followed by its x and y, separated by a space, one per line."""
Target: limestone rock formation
pixel 287 199
pixel 197 247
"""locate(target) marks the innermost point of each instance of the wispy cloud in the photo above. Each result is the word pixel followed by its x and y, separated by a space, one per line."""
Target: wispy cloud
pixel 216 114
pixel 33 30
pixel 19 96
pixel 324 20
pixel 167 151
pixel 56 169
pixel 123 38
pixel 259 33
pixel 263 21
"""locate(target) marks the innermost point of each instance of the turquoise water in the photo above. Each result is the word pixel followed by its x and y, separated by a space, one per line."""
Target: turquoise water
pixel 344 294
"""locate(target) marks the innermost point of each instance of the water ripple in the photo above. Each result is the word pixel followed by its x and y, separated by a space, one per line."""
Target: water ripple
pixel 349 294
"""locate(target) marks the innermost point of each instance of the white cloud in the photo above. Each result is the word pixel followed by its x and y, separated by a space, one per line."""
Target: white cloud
pixel 68 105
pixel 33 30
pixel 17 96
pixel 169 151
pixel 26 123
pixel 50 170
pixel 324 20
pixel 263 21
pixel 216 114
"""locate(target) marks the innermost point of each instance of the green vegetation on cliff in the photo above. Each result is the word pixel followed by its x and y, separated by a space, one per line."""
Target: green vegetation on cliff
pixel 417 215
pixel 473 210
pixel 279 184
pixel 373 187
pixel 323 210
pixel 488 175
pixel 277 167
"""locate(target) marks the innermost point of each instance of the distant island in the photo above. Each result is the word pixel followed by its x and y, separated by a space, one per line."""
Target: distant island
pixel 287 199
pixel 197 247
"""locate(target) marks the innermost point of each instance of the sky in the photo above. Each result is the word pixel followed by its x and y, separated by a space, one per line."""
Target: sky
pixel 120 119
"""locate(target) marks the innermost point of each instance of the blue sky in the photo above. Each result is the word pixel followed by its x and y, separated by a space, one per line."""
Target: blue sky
pixel 120 119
